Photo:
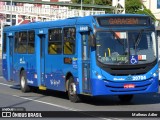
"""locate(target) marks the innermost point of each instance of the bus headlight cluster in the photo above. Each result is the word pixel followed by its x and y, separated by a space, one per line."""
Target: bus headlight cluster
pixel 154 74
pixel 98 75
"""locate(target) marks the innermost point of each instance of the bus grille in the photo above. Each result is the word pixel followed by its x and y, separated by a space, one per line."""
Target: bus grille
pixel 119 86
pixel 121 70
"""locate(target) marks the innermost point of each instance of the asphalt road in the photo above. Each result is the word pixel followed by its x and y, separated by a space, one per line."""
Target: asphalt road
pixel 11 96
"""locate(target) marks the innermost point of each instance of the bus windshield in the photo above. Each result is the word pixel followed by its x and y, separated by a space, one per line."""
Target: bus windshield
pixel 126 47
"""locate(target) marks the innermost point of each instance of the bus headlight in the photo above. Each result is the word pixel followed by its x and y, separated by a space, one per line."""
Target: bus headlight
pixel 98 75
pixel 154 74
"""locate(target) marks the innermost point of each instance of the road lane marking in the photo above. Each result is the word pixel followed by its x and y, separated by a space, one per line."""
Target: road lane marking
pixel 67 108
pixel 6 84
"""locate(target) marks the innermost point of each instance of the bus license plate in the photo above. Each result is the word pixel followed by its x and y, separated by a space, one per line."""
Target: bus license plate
pixel 129 86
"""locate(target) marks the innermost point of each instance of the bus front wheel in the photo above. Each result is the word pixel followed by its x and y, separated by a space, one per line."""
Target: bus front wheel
pixel 23 82
pixel 72 91
pixel 125 98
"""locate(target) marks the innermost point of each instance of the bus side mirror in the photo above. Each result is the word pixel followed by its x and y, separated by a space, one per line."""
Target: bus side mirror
pixel 91 41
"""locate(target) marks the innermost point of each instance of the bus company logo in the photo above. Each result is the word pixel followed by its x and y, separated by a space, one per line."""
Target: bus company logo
pixel 120 79
pixel 10 34
pixel 55 82
pixel 4 56
pixel 21 60
pixel 41 31
pixel 129 78
pixel 30 81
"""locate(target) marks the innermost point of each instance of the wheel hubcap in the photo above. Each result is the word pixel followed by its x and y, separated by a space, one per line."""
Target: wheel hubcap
pixel 22 82
pixel 72 90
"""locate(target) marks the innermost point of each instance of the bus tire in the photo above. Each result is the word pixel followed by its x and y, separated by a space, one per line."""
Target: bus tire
pixel 23 82
pixel 73 97
pixel 125 98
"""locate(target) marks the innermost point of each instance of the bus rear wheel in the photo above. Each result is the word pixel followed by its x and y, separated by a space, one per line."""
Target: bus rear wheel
pixel 72 91
pixel 23 82
pixel 125 98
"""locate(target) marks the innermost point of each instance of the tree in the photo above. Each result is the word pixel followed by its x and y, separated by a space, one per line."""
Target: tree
pixel 132 6
pixel 137 7
pixel 146 12
pixel 96 2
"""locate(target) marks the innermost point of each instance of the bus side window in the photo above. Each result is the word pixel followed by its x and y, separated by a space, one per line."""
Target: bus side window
pixel 31 42
pixel 16 42
pixel 55 41
pixel 52 49
pixel 69 40
pixel 22 42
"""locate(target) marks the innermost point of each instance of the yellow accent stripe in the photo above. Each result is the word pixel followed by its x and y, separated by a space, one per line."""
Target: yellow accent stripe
pixel 98 45
pixel 105 54
pixel 42 87
pixel 109 52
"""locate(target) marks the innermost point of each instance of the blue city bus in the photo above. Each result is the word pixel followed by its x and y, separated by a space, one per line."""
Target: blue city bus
pixel 110 54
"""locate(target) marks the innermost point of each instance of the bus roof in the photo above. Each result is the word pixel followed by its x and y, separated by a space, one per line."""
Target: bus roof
pixel 64 22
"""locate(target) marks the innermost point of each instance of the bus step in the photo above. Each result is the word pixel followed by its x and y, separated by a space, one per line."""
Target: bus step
pixel 42 87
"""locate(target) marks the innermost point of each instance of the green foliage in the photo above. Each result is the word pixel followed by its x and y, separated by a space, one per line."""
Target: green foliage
pixel 132 6
pixel 135 7
pixel 96 2
pixel 146 12
pixel 103 2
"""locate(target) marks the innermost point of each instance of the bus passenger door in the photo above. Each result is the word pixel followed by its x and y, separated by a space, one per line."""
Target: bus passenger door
pixel 11 57
pixel 86 82
pixel 4 57
pixel 42 60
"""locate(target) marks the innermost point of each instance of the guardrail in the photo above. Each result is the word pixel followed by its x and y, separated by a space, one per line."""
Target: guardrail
pixel 50 13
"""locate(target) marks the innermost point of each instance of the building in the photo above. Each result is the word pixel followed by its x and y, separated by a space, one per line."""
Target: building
pixel 154 6
pixel 23 12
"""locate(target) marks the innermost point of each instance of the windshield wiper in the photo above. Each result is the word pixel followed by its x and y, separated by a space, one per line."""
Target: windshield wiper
pixel 138 39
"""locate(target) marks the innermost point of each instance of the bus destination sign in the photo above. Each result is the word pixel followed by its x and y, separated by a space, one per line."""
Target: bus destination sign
pixel 106 21
pixel 120 21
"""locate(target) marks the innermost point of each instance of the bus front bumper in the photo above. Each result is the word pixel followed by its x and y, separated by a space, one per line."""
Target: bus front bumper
pixel 106 87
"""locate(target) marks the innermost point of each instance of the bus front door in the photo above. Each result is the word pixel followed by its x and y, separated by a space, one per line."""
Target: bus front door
pixel 86 83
